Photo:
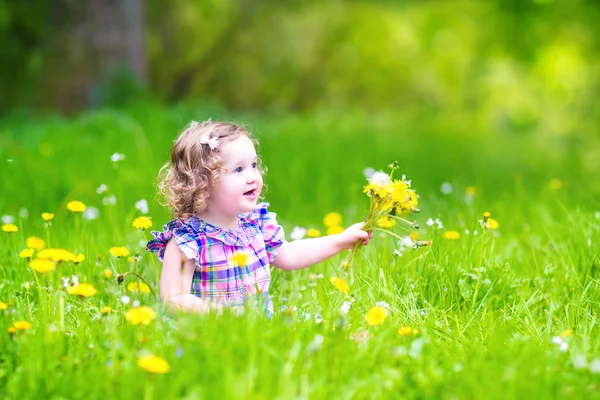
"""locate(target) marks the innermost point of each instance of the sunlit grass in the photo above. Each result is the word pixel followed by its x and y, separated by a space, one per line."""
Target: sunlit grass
pixel 479 313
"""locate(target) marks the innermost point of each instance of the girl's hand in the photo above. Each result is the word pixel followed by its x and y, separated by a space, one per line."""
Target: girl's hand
pixel 354 233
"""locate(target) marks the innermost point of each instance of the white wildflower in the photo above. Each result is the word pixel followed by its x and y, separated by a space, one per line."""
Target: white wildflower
pixel 298 233
pixel 345 308
pixel 135 304
pixel 142 206
pixel 316 343
pixel 595 366
pixel 368 172
pixel 580 362
pixel 397 253
pixel 65 282
pixel 74 280
pixel 125 299
pixel 382 304
pixel 561 343
pixel 430 222
pixel 116 157
pixel 407 181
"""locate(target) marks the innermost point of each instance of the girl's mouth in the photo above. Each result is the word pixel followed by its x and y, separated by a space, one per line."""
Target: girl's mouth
pixel 250 193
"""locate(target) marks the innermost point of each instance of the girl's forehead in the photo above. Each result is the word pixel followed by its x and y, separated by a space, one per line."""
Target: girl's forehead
pixel 239 148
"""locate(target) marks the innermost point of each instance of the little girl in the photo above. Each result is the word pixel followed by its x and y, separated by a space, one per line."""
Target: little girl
pixel 219 247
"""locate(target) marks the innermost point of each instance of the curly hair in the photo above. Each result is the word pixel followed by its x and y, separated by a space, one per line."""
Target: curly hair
pixel 185 180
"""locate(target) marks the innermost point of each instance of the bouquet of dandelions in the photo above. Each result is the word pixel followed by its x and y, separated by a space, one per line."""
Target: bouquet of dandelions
pixel 390 198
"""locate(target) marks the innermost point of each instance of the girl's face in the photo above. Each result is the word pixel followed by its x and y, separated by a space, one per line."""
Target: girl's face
pixel 240 183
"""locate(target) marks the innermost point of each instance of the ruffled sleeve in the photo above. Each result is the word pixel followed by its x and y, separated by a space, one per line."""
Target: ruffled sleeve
pixel 273 233
pixel 185 237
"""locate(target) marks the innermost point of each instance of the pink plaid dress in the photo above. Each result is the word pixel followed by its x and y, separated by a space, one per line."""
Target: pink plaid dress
pixel 216 279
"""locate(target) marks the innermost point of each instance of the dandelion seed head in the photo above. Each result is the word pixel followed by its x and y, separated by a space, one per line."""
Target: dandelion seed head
pixel 101 189
pixel 109 200
pixel 91 213
pixel 379 178
pixel 23 213
pixel 446 188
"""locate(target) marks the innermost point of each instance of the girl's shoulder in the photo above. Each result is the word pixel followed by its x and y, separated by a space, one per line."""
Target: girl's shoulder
pixel 182 231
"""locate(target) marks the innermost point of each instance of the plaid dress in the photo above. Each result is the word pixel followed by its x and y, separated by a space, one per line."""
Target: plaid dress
pixel 216 279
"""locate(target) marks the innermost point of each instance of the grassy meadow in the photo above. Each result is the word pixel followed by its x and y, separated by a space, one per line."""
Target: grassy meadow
pixel 510 312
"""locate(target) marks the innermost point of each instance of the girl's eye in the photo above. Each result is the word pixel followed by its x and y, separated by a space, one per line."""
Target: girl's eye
pixel 253 165
pixel 238 169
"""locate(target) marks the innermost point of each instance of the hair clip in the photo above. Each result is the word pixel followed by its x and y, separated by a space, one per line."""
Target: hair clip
pixel 213 143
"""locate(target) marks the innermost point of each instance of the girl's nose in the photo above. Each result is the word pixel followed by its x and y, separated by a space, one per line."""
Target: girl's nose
pixel 252 176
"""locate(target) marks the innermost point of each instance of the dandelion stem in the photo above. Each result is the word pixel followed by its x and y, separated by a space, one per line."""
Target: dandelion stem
pixel 142 278
pixel 479 269
pixel 388 232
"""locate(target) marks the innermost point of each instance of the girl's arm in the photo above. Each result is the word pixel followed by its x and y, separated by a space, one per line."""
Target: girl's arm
pixel 304 253
pixel 176 282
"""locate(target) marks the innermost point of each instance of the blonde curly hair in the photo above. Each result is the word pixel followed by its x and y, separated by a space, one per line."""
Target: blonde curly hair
pixel 194 166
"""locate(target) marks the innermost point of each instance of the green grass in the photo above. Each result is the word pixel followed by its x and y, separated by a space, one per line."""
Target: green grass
pixel 486 306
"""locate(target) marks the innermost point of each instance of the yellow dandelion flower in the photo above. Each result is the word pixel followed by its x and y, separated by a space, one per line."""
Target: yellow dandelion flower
pixel 414 236
pixel 119 251
pixel 239 259
pixel 380 192
pixel 332 219
pixel 470 191
pixel 376 315
pixel 555 184
pixel 76 206
pixel 141 287
pixel 77 258
pixel 47 216
pixel 107 273
pixel 334 230
pixel 41 265
pixel 312 233
pixel 83 290
pixel 141 315
pixel 35 243
pixel 451 235
pixel 566 333
pixel 11 330
pixel 57 255
pixel 22 325
pixel 407 331
pixel 106 310
pixel 492 223
pixel 142 223
pixel 486 215
pixel 3 306
pixel 386 222
pixel 340 284
pixel 154 364
pixel 27 253
pixel 10 228
pixel 131 259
